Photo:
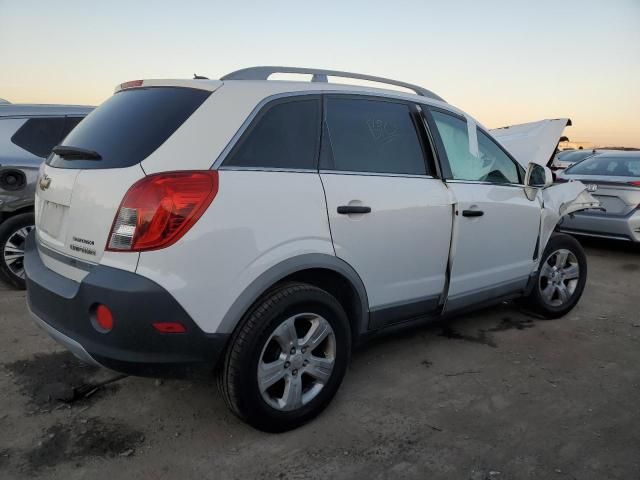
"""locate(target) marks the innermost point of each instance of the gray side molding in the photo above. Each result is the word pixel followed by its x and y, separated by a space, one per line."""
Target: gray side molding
pixel 320 75
pixel 69 343
pixel 286 268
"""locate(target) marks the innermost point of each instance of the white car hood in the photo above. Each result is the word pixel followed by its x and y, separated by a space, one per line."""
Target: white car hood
pixel 559 200
pixel 533 142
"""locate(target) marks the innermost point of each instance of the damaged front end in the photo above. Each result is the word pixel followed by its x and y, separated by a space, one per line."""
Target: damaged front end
pixel 559 200
pixel 535 143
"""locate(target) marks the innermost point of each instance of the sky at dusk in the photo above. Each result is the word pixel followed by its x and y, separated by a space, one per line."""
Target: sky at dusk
pixel 503 62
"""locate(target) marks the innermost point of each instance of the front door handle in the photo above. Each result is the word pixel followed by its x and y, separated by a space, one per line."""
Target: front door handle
pixel 472 213
pixel 347 209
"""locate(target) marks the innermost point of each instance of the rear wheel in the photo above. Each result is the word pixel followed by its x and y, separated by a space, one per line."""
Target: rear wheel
pixel 13 234
pixel 287 358
pixel 561 278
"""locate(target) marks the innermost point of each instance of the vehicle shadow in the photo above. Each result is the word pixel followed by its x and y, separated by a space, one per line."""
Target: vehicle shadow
pixel 605 244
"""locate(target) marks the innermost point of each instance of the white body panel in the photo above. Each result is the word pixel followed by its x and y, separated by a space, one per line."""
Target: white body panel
pixel 400 249
pixel 257 220
pixel 75 213
pixel 495 248
pixel 532 142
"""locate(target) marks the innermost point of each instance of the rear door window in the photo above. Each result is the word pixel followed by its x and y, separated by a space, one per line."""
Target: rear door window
pixel 130 126
pixel 373 136
pixel 285 134
pixel 39 135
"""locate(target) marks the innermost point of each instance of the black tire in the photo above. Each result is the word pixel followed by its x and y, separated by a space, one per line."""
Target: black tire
pixel 7 229
pixel 238 376
pixel 536 301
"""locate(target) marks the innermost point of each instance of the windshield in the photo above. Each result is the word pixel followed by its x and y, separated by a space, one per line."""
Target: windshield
pixel 128 127
pixel 627 166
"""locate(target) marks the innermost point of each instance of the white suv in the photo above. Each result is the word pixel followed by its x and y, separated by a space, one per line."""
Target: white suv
pixel 266 227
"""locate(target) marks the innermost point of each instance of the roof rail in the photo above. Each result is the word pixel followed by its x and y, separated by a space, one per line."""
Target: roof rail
pixel 319 75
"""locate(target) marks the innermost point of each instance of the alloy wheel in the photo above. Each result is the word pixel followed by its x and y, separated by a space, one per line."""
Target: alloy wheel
pixel 13 251
pixel 559 276
pixel 296 361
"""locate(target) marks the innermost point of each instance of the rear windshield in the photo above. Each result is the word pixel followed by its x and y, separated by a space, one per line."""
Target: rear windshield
pixel 608 166
pixel 130 126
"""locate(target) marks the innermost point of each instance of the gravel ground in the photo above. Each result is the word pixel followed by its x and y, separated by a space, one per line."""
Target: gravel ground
pixel 491 395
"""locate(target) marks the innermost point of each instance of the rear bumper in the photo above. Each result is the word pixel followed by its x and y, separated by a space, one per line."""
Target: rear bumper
pixel 597 224
pixel 61 307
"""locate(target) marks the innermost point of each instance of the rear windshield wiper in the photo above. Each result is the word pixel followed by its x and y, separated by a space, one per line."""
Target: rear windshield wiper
pixel 76 153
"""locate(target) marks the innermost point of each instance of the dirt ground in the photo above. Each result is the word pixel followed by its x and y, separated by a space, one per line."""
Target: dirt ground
pixel 491 395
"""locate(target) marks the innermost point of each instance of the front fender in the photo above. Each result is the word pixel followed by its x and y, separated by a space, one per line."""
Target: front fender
pixel 559 200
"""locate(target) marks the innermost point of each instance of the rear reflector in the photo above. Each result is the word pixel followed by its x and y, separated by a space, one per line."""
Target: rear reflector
pixel 102 319
pixel 159 209
pixel 169 327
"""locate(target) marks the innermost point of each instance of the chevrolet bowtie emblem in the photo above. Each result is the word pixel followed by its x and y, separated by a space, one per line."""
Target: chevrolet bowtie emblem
pixel 45 181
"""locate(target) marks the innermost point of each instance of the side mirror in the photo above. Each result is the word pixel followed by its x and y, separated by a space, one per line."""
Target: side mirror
pixel 537 177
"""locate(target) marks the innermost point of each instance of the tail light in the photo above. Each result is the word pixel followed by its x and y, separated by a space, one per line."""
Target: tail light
pixel 131 84
pixel 635 184
pixel 159 209
pixel 169 327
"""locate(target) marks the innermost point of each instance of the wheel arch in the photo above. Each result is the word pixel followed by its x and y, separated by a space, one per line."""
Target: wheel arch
pixel 8 214
pixel 321 270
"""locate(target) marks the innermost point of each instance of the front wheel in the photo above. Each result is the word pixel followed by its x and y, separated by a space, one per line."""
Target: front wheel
pixel 287 358
pixel 13 234
pixel 561 278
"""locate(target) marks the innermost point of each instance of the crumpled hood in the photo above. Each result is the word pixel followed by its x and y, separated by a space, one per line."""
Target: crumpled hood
pixel 533 142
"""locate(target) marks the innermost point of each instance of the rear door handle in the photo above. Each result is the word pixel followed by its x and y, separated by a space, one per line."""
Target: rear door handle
pixel 347 209
pixel 472 213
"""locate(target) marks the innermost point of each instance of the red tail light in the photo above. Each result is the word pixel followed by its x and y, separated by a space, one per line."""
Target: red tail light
pixel 169 327
pixel 159 209
pixel 635 184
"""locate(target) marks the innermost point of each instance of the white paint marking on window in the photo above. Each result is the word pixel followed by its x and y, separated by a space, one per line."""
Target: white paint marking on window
pixel 472 133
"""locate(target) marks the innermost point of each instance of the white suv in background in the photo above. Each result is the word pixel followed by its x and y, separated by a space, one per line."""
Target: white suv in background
pixel 266 227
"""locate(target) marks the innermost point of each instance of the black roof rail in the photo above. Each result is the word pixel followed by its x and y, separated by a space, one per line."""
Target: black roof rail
pixel 320 75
